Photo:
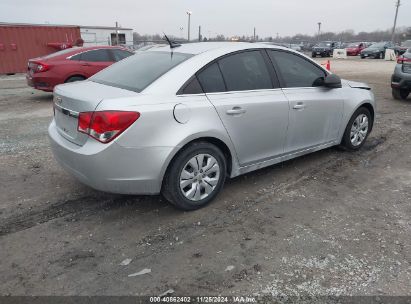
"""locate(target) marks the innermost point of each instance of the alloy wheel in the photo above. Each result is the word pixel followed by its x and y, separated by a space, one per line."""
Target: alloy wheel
pixel 199 177
pixel 359 130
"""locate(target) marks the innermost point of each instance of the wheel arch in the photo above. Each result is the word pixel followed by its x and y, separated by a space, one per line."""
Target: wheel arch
pixel 226 148
pixel 75 75
pixel 365 104
pixel 370 108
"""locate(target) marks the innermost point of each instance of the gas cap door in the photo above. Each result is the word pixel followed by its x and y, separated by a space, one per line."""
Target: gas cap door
pixel 182 113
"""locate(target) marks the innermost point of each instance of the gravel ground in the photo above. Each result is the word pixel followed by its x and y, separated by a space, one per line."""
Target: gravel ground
pixel 329 223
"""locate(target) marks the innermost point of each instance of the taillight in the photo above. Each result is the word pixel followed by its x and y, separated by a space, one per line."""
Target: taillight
pixel 39 66
pixel 401 60
pixel 104 126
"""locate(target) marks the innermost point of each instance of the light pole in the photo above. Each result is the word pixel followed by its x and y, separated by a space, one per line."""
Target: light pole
pixel 189 21
pixel 319 30
pixel 395 20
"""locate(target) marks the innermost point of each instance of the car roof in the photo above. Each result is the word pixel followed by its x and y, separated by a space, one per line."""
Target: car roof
pixel 202 47
pixel 203 53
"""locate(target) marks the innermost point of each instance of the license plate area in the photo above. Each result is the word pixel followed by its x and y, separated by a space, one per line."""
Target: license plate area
pixel 66 122
pixel 406 68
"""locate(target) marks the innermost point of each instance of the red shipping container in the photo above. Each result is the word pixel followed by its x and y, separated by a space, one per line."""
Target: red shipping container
pixel 21 42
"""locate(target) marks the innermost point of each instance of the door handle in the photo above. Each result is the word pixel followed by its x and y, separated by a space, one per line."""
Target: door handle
pixel 236 111
pixel 85 64
pixel 299 106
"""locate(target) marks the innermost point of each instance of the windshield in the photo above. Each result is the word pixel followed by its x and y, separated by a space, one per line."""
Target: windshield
pixel 353 45
pixel 323 44
pixel 140 70
pixel 378 45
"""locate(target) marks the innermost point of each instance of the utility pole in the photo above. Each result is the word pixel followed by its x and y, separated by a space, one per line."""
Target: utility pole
pixel 189 24
pixel 117 33
pixel 395 20
pixel 254 34
pixel 319 30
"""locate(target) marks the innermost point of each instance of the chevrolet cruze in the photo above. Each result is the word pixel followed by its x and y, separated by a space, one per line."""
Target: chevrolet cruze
pixel 179 120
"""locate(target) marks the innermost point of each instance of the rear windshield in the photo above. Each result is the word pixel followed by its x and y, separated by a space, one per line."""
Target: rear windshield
pixel 70 50
pixel 140 70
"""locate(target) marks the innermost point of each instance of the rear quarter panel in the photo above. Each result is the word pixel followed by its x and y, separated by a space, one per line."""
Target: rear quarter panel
pixel 157 126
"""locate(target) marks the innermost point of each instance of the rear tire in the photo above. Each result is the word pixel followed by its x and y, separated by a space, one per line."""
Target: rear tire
pixel 75 78
pixel 357 128
pixel 400 94
pixel 314 55
pixel 201 181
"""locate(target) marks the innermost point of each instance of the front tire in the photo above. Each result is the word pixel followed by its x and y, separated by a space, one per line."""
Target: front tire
pixel 195 176
pixel 400 94
pixel 357 130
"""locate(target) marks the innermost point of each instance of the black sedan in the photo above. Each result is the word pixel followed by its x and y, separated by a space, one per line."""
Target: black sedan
pixel 376 50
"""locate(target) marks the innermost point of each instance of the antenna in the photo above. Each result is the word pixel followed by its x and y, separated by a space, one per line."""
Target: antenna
pixel 172 44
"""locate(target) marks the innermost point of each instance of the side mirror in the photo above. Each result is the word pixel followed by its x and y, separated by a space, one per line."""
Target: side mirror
pixel 332 81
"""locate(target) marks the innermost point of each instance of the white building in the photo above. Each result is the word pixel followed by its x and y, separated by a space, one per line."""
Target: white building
pixel 102 35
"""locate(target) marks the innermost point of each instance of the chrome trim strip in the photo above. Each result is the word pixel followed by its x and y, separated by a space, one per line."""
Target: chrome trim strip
pixel 66 111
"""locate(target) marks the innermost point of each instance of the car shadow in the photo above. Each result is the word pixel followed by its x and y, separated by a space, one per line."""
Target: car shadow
pixel 42 97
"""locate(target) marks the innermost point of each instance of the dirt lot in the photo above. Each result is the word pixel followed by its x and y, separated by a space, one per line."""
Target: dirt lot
pixel 330 223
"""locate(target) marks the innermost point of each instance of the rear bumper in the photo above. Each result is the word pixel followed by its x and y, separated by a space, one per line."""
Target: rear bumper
pixel 353 53
pixel 400 80
pixel 42 81
pixel 111 168
pixel 371 55
pixel 321 53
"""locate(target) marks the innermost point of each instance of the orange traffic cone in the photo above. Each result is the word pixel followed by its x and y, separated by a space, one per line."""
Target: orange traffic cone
pixel 327 65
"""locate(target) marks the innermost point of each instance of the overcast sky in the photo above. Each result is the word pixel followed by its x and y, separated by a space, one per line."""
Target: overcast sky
pixel 228 17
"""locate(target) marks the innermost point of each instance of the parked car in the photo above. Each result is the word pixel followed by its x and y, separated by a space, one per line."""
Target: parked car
pixel 69 65
pixel 307 46
pixel 354 49
pixel 295 47
pixel 401 49
pixel 180 121
pixel 324 49
pixel 401 79
pixel 376 50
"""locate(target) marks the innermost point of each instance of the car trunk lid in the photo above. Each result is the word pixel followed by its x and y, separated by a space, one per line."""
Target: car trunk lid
pixel 74 98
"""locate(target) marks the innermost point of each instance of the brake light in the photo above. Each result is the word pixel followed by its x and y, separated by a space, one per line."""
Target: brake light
pixel 401 60
pixel 39 67
pixel 104 126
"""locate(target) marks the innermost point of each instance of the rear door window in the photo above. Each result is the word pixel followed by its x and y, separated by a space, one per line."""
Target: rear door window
pixel 193 87
pixel 245 71
pixel 101 55
pixel 76 57
pixel 211 79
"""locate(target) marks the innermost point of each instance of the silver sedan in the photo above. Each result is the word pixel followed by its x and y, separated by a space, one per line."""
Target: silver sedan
pixel 180 120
